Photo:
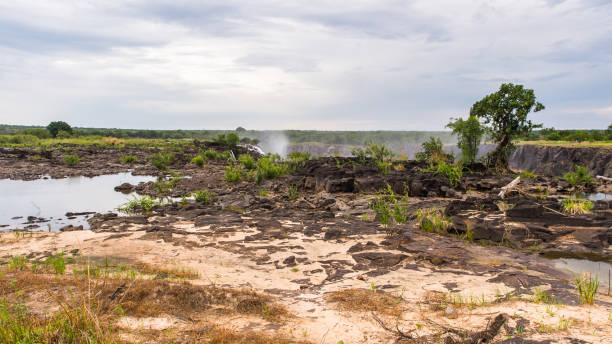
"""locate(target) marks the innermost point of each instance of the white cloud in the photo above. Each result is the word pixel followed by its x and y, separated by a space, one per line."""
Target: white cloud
pixel 279 64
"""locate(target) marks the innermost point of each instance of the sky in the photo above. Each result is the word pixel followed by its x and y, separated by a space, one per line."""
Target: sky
pixel 317 64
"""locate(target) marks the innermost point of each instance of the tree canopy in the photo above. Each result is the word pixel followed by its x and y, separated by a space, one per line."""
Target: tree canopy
pixel 469 134
pixel 55 127
pixel 505 113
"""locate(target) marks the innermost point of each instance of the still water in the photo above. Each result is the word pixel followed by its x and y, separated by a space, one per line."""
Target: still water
pixel 51 199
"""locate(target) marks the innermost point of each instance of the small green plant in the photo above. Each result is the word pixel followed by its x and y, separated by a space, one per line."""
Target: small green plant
pixel 527 175
pixel 18 263
pixel 263 193
pixel 433 220
pixel 550 311
pixel 202 196
pixel 520 330
pixel 292 192
pixel 71 160
pixel 451 172
pixel 576 206
pixel 372 286
pixel 564 324
pixel 360 154
pixel 140 205
pixel 232 174
pixel 128 159
pixel 247 161
pixel 162 160
pixel 198 161
pixel 432 151
pixel 58 263
pixel 580 178
pixel 587 287
pixel 540 296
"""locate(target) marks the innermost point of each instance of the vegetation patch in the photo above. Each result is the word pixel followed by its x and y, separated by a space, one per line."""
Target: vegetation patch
pixel 128 159
pixel 576 206
pixel 71 160
pixel 433 220
pixel 367 300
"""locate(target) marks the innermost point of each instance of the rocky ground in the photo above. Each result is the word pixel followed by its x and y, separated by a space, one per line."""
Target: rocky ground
pixel 307 260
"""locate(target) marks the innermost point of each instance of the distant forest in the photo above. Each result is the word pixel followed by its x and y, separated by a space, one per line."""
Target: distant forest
pixel 312 136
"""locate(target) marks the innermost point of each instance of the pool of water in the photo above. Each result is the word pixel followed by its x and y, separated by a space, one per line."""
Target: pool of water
pixel 599 196
pixel 51 199
pixel 576 264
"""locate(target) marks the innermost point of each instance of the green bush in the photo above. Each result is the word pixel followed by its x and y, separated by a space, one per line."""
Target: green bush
pixel 162 160
pixel 433 220
pixel 232 174
pixel 388 208
pixel 579 179
pixel 267 168
pixel 203 196
pixel 247 161
pixel 198 161
pixel 62 134
pixel 527 175
pixel 210 154
pixel 19 139
pixel 452 173
pixel 128 159
pixel 71 160
pixel 576 206
pixel 433 152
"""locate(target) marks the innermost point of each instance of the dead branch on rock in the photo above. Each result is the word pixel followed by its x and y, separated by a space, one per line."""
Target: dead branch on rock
pixel 509 187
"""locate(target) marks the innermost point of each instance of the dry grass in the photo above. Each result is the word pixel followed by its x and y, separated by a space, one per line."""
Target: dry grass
pixel 218 335
pixel 143 298
pixel 364 300
pixel 167 271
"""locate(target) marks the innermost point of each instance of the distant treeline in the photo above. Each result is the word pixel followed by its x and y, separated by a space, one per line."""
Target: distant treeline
pixel 308 136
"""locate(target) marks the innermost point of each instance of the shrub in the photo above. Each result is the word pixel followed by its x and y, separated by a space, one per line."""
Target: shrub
pixel 198 161
pixel 388 208
pixel 433 220
pixel 580 178
pixel 58 262
pixel 62 134
pixel 469 134
pixel 576 206
pixel 203 196
pixel 55 127
pixel 432 151
pixel 360 153
pixel 19 139
pixel 267 168
pixel 247 161
pixel 71 160
pixel 161 160
pixel 587 288
pixel 379 152
pixel 232 174
pixel 128 159
pixel 144 204
pixel 38 132
pixel 210 154
pixel 452 173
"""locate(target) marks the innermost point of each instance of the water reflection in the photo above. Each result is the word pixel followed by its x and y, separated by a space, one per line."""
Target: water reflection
pixel 51 199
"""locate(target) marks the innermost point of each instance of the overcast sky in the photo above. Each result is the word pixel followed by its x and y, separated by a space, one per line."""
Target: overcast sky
pixel 326 65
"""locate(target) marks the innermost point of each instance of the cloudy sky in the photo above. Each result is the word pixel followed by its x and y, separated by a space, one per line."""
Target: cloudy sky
pixel 317 64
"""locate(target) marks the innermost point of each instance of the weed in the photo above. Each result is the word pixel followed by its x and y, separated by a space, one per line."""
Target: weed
pixel 247 161
pixel 564 324
pixel 388 208
pixel 520 330
pixel 128 159
pixel 18 263
pixel 433 220
pixel 140 205
pixel 383 166
pixel 503 206
pixel 263 193
pixel 295 269
pixel 198 161
pixel 292 192
pixel 232 174
pixel 162 160
pixel 71 160
pixel 550 310
pixel 365 217
pixel 203 196
pixel 587 287
pixel 361 155
pixel 576 206
pixel 580 178
pixel 58 262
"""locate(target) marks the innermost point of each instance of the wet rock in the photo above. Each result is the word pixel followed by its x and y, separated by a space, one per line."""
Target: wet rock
pixel 71 228
pixel 125 188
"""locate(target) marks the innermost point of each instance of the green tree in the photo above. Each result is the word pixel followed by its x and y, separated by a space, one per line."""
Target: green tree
pixel 469 133
pixel 505 113
pixel 57 126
